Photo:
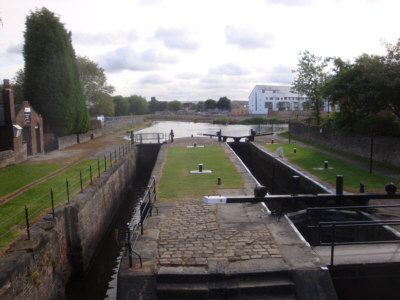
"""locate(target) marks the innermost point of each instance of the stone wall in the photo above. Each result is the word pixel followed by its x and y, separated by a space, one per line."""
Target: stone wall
pixel 280 174
pixel 6 158
pixel 73 139
pixel 63 247
pixel 385 149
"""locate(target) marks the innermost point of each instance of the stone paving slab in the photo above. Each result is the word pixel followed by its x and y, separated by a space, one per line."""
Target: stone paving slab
pixel 193 236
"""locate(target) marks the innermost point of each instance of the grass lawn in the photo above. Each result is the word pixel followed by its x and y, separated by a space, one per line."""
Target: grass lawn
pixel 178 184
pixel 14 177
pixel 342 153
pixel 12 214
pixel 313 162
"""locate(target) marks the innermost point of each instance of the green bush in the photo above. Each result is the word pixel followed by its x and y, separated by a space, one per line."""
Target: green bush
pixel 383 125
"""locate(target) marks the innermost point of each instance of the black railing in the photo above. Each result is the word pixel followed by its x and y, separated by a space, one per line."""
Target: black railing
pixel 59 194
pixel 135 227
pixel 334 225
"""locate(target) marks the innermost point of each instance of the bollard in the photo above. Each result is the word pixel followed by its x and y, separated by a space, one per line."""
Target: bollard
pixel 339 184
pixel 390 188
pixel 194 145
pixel 294 150
pixel 362 187
pixel 200 168
pixel 219 181
pixel 296 184
pixel 272 141
pixel 326 164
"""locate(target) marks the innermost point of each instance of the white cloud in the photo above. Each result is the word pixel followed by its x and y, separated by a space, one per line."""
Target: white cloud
pixel 154 79
pixel 289 2
pixel 15 49
pixel 246 38
pixel 105 38
pixel 230 70
pixel 280 74
pixel 187 75
pixel 127 58
pixel 177 38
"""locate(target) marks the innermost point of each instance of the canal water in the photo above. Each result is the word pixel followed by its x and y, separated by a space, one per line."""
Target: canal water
pixel 187 129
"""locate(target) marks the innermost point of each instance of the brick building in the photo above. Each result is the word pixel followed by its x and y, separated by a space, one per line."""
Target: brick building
pixel 21 127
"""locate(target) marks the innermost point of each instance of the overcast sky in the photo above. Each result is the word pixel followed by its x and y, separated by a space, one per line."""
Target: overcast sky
pixel 202 49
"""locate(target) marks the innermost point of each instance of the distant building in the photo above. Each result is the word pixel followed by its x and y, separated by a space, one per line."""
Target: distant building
pixel 21 128
pixel 239 107
pixel 265 98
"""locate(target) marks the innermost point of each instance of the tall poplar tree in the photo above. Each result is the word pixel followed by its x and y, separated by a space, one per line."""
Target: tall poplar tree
pixel 52 83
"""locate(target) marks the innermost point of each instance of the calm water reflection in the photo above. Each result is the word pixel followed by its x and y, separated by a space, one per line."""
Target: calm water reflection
pixel 186 129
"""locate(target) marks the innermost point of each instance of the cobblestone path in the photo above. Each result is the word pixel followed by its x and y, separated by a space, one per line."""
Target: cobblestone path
pixel 192 236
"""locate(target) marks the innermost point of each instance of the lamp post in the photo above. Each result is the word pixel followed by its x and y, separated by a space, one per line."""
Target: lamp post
pixel 289 130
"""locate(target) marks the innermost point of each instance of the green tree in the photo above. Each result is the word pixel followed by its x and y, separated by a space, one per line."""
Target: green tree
pixel 137 105
pixel 392 61
pixel 224 103
pixel 210 104
pixel 17 86
pixel 104 105
pixel 311 74
pixel 93 79
pixel 121 106
pixel 155 105
pixel 174 105
pixel 52 82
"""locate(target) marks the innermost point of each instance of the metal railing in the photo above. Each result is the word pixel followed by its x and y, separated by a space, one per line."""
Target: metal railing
pixel 59 194
pixel 148 138
pixel 135 227
pixel 332 226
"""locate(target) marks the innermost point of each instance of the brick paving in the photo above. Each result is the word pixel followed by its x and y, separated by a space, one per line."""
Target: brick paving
pixel 193 236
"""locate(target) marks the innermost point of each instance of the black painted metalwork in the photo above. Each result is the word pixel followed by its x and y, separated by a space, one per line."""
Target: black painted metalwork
pixel 236 139
pixel 145 210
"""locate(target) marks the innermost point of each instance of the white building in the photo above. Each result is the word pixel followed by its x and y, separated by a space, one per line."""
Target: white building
pixel 265 98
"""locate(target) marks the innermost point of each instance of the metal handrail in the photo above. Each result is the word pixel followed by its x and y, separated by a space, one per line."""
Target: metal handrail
pixel 145 210
pixel 156 136
pixel 311 211
pixel 334 224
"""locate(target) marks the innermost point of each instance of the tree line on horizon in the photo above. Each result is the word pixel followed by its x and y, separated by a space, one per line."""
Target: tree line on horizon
pixel 366 91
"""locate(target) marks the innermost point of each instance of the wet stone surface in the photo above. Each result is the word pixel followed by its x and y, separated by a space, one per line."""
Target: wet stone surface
pixel 193 236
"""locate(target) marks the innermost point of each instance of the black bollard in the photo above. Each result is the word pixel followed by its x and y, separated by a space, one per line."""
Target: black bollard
pixel 200 168
pixel 296 184
pixel 362 190
pixel 219 181
pixel 339 184
pixel 326 164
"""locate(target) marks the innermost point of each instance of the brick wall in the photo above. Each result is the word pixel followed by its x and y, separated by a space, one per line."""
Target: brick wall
pixel 6 158
pixel 59 248
pixel 385 149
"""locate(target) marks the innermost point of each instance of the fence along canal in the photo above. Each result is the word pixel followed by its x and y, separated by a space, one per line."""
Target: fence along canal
pixel 59 194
